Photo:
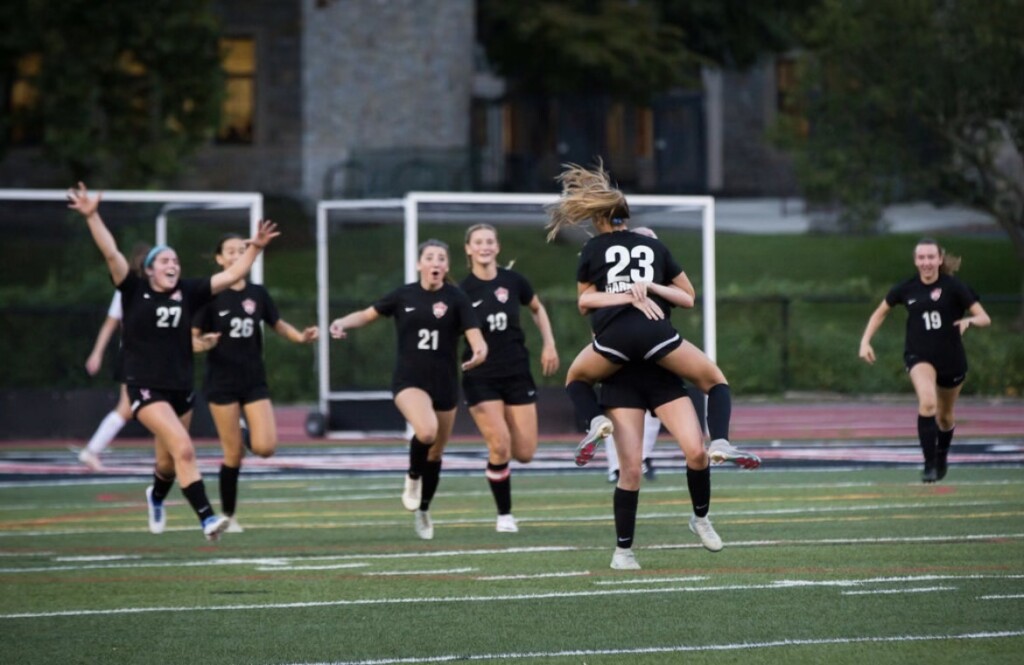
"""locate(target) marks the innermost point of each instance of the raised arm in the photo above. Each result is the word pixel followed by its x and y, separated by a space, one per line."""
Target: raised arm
pixel 267 231
pixel 477 345
pixel 548 352
pixel 292 334
pixel 866 353
pixel 339 327
pixel 89 207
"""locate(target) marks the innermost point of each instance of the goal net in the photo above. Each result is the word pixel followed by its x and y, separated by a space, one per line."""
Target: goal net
pixel 366 248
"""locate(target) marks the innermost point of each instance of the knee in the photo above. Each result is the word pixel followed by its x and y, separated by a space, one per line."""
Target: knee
pixel 265 448
pixel 427 436
pixel 945 421
pixel 698 461
pixel 926 407
pixel 524 457
pixel 186 454
pixel 629 479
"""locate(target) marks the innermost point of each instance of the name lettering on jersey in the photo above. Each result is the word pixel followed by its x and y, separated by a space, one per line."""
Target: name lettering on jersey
pixel 409 309
pixel 936 294
pixel 224 312
pixel 439 309
pixel 176 296
pixel 478 303
pixel 501 293
pixel 618 287
pixel 249 305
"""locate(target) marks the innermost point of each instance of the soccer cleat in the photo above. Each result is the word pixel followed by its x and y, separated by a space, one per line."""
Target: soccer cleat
pixel 246 439
pixel 413 493
pixel 600 429
pixel 708 538
pixel 721 451
pixel 233 526
pixel 90 459
pixel 613 476
pixel 423 524
pixel 930 474
pixel 214 525
pixel 157 516
pixel 506 524
pixel 647 466
pixel 624 559
pixel 941 463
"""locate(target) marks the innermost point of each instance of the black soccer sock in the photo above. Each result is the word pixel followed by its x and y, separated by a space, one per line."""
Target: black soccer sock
pixel 431 479
pixel 499 476
pixel 719 411
pixel 927 434
pixel 417 457
pixel 624 503
pixel 944 438
pixel 196 495
pixel 584 402
pixel 161 486
pixel 229 488
pixel 699 484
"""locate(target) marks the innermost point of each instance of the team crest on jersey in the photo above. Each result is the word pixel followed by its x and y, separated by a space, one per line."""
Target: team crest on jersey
pixel 936 294
pixel 249 305
pixel 501 293
pixel 145 393
pixel 439 309
pixel 176 296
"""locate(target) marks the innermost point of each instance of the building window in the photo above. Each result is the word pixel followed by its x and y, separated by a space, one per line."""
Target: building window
pixel 26 123
pixel 239 109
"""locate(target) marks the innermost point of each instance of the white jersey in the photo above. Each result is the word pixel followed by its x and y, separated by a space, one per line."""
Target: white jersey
pixel 115 311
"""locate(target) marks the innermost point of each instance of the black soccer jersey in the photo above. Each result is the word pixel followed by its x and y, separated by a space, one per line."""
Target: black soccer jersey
pixel 157 335
pixel 497 303
pixel 429 325
pixel 612 262
pixel 931 312
pixel 236 363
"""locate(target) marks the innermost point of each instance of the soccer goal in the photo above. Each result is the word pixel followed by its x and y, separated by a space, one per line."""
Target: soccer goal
pixel 365 248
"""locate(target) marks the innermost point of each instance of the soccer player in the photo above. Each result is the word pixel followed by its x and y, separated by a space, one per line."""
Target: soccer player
pixel 627 395
pixel 430 316
pixel 933 350
pixel 500 393
pixel 158 308
pixel 652 427
pixel 236 379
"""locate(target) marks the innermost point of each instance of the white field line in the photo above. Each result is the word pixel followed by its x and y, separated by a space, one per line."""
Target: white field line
pixel 539 576
pixel 274 562
pixel 682 648
pixel 892 591
pixel 1002 596
pixel 651 580
pixel 429 600
pixel 330 566
pixel 718 514
pixel 449 571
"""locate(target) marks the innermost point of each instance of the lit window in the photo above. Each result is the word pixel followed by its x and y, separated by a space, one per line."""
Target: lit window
pixel 238 110
pixel 26 122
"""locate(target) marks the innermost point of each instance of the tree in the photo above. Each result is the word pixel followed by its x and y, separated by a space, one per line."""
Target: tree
pixel 911 99
pixel 126 89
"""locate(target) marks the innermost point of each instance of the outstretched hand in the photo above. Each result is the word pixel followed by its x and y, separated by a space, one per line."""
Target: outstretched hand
pixel 266 232
pixel 310 334
pixel 79 200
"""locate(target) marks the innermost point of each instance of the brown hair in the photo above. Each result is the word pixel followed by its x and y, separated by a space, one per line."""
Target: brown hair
pixel 138 256
pixel 586 194
pixel 434 242
pixel 469 234
pixel 950 262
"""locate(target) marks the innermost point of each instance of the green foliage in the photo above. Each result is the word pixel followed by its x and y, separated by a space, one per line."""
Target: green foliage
pixel 127 90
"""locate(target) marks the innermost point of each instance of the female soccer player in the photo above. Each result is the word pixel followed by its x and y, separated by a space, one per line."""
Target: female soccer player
pixel 119 415
pixel 158 354
pixel 430 317
pixel 627 395
pixel 627 281
pixel 501 394
pixel 933 350
pixel 236 379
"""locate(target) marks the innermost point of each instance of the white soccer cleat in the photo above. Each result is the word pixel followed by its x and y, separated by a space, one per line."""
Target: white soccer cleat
pixel 413 493
pixel 423 524
pixel 721 451
pixel 233 526
pixel 624 559
pixel 600 429
pixel 90 459
pixel 157 515
pixel 214 525
pixel 708 538
pixel 506 524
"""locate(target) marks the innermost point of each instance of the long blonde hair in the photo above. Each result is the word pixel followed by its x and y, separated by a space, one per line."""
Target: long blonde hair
pixel 586 194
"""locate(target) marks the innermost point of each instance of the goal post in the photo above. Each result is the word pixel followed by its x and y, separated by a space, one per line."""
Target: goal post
pixel 369 412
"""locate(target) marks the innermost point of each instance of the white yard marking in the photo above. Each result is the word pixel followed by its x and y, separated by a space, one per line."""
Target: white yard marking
pixel 1002 597
pixel 449 571
pixel 500 578
pixel 651 580
pixel 890 591
pixel 290 569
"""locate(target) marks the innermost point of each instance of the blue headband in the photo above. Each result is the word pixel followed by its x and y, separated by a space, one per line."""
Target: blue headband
pixel 152 255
